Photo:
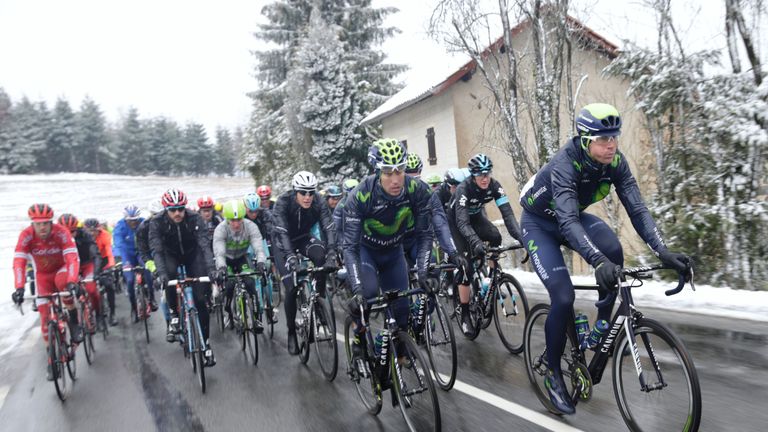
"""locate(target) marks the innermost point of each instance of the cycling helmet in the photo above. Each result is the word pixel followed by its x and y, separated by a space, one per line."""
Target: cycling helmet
pixel 333 191
pixel 386 151
pixel 40 212
pixel 252 201
pixel 131 212
pixel 92 223
pixel 174 198
pixel 304 181
pixel 598 119
pixel 480 164
pixel 234 209
pixel 205 202
pixel 413 164
pixel 454 176
pixel 68 221
pixel 264 191
pixel 433 179
pixel 350 184
pixel 155 206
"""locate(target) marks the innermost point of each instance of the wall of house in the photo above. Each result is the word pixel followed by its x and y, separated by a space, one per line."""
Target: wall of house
pixel 411 124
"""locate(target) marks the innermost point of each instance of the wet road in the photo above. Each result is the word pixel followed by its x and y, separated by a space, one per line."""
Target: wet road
pixel 133 386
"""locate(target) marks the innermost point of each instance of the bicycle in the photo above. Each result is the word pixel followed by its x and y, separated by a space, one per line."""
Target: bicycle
pixel 143 308
pixel 314 322
pixel 502 291
pixel 190 335
pixel 397 366
pixel 103 306
pixel 245 315
pixel 88 321
pixel 217 305
pixel 117 277
pixel 656 348
pixel 277 283
pixel 266 291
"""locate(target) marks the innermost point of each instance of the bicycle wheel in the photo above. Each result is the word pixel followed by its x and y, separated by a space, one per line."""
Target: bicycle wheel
pixel 277 290
pixel 197 348
pixel 142 312
pixel 325 339
pixel 674 403
pixel 69 350
pixel 304 322
pixel 242 321
pixel 55 359
pixel 366 384
pixel 268 308
pixel 85 320
pixel 534 341
pixel 190 341
pixel 253 341
pixel 510 310
pixel 441 346
pixel 104 308
pixel 413 386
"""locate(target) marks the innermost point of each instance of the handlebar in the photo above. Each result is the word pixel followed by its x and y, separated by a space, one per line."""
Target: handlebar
pixel 175 282
pixel 642 273
pixel 313 270
pixel 244 274
pixel 500 249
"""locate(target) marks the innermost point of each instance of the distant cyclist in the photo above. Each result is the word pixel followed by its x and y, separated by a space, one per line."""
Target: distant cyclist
pixel 265 193
pixel 206 207
pixel 90 259
pixel 103 241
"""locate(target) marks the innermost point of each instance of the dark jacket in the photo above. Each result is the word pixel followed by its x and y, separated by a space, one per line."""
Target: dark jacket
pixel 182 241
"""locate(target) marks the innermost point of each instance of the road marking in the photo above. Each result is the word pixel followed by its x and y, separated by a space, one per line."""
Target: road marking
pixel 515 409
pixel 3 393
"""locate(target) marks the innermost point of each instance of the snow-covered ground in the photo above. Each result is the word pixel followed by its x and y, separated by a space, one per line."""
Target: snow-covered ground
pixel 104 196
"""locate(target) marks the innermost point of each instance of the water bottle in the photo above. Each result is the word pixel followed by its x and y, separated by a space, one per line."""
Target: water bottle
pixel 485 283
pixel 582 328
pixel 377 344
pixel 417 312
pixel 600 328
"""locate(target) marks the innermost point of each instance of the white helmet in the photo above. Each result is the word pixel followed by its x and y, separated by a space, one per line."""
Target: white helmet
pixel 155 206
pixel 304 181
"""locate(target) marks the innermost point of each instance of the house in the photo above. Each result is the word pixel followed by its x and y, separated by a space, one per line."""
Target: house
pixel 447 120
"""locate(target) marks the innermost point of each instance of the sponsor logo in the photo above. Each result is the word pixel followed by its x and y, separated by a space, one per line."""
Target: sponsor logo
pixel 612 334
pixel 49 251
pixel 363 197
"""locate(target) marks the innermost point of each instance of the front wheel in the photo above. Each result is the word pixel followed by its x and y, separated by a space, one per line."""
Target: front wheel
pixel 671 400
pixel 253 340
pixel 86 322
pixel 441 346
pixel 198 350
pixel 304 322
pixel 366 383
pixel 413 386
pixel 324 330
pixel 56 357
pixel 510 310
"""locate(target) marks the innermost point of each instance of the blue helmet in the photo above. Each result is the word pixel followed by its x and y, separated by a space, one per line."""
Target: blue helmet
pixel 480 164
pixel 333 191
pixel 131 212
pixel 454 176
pixel 252 201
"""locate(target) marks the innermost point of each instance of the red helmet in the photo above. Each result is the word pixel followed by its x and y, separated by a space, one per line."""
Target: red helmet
pixel 68 221
pixel 205 202
pixel 174 198
pixel 40 213
pixel 264 191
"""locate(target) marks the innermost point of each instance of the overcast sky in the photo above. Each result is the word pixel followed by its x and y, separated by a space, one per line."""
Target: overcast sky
pixel 190 60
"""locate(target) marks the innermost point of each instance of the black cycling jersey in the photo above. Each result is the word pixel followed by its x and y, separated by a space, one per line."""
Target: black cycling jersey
pixel 293 223
pixel 469 200
pixel 86 248
pixel 265 222
pixel 571 181
pixel 180 242
pixel 444 194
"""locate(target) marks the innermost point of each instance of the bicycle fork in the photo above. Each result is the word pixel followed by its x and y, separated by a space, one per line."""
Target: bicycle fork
pixel 629 331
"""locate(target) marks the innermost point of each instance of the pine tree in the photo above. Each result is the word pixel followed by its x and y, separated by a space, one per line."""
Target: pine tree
pixel 5 130
pixel 132 144
pixel 197 154
pixel 27 138
pixel 163 138
pixel 93 149
pixel 224 153
pixel 62 141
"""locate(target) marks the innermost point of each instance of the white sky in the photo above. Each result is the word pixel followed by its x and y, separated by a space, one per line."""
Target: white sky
pixel 190 60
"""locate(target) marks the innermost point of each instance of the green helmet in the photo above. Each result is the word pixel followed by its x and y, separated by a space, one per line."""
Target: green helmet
pixel 350 184
pixel 386 151
pixel 413 163
pixel 433 179
pixel 234 209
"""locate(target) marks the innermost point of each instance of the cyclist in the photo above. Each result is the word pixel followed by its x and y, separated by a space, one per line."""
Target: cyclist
pixel 294 215
pixel 124 235
pixel 553 200
pixel 107 260
pixel 265 193
pixel 453 177
pixel 231 243
pixel 90 259
pixel 434 181
pixel 470 227
pixel 206 207
pixel 179 237
pixel 413 165
pixel 263 219
pixel 333 195
pixel 53 253
pixel 376 217
pixel 155 207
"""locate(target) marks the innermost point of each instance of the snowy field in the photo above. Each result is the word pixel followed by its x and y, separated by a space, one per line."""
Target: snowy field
pixel 104 196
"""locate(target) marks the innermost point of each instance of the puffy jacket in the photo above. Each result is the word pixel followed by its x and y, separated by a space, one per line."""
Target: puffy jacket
pixel 86 248
pixel 183 240
pixel 104 243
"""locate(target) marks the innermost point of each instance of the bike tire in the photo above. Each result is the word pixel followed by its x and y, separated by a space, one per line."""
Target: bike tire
pixel 104 308
pixel 305 327
pixel 143 310
pixel 676 406
pixel 253 348
pixel 534 343
pixel 510 310
pixel 197 348
pixel 421 413
pixel 70 350
pixel 326 347
pixel 368 388
pixel 55 354
pixel 85 322
pixel 268 308
pixel 277 288
pixel 442 335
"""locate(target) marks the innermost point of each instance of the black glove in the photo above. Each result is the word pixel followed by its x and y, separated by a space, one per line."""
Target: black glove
pixel 677 261
pixel 330 258
pixel 423 278
pixel 291 263
pixel 607 274
pixel 162 281
pixel 18 296
pixel 261 267
pixel 219 275
pixel 459 261
pixel 75 288
pixel 478 249
pixel 354 303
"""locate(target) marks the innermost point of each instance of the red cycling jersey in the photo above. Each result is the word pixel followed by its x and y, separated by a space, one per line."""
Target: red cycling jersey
pixel 47 255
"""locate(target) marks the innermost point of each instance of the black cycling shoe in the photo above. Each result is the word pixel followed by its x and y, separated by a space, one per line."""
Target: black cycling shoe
pixel 358 348
pixel 293 345
pixel 34 308
pixel 259 327
pixel 466 325
pixel 210 360
pixel 112 319
pixel 134 316
pixel 558 393
pixel 77 333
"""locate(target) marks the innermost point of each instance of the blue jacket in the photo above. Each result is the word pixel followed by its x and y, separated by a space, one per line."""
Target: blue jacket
pixel 124 239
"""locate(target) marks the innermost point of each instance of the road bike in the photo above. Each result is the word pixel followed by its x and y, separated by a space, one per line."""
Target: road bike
pixel 190 335
pixel 314 321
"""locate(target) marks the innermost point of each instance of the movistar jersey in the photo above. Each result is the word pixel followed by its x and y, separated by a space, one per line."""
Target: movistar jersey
pixel 571 181
pixel 231 244
pixel 376 220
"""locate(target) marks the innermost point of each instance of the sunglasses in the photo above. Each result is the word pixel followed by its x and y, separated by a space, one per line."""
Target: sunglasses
pixel 603 139
pixel 176 209
pixel 392 169
pixel 482 174
pixel 305 193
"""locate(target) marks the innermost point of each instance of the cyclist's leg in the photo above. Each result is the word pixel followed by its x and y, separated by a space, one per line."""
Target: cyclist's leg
pixel 289 302
pixel 607 242
pixel 486 231
pixel 172 265
pixel 130 280
pixel 393 276
pixel 60 283
pixel 86 270
pixel 45 286
pixel 314 249
pixel 196 267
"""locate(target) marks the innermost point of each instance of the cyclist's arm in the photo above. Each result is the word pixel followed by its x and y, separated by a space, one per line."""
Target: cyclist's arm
pixel 70 255
pixel 629 194
pixel 422 228
pixel 326 222
pixel 440 223
pixel 156 244
pixel 203 237
pixel 94 251
pixel 220 245
pixel 507 214
pixel 461 213
pixel 104 241
pixel 254 235
pixel 280 233
pixel 351 242
pixel 20 259
pixel 565 194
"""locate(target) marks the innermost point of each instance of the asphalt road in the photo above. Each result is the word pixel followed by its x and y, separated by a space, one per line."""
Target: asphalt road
pixel 133 386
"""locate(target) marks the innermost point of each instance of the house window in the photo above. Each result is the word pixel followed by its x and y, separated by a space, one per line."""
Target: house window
pixel 431 146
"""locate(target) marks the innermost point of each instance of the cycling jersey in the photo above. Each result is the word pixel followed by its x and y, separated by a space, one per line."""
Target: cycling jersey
pixel 142 241
pixel 125 241
pixel 444 195
pixel 230 244
pixel 48 256
pixel 294 223
pixel 104 242
pixel 87 250
pixel 469 200
pixel 571 182
pixel 265 222
pixel 182 242
pixel 439 228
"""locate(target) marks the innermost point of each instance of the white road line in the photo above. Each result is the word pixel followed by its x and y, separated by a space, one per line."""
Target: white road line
pixel 518 410
pixel 3 393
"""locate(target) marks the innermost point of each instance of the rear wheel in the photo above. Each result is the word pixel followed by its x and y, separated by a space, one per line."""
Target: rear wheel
pixel 413 386
pixel 441 346
pixel 85 321
pixel 304 322
pixel 198 351
pixel 325 339
pixel 366 384
pixel 510 310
